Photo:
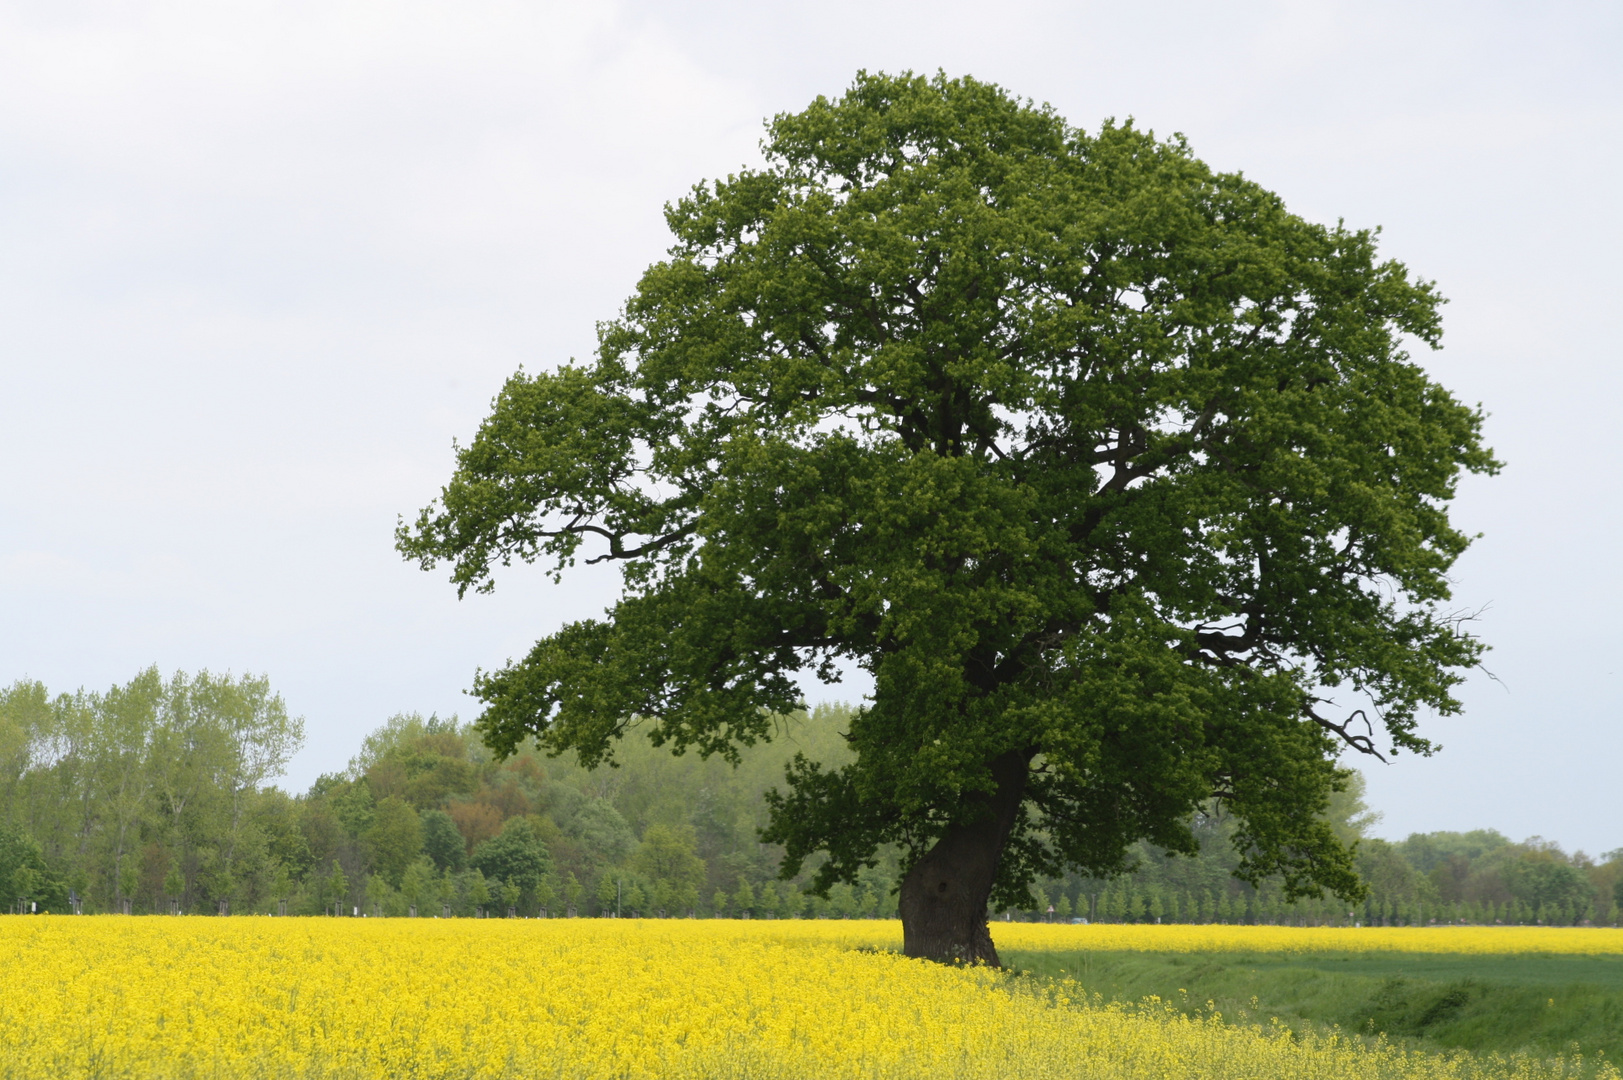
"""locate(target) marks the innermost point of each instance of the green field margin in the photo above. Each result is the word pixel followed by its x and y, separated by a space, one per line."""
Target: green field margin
pixel 1540 1004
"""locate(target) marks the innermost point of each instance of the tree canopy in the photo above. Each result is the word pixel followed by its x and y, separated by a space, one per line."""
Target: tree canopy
pixel 515 856
pixel 1114 474
pixel 115 788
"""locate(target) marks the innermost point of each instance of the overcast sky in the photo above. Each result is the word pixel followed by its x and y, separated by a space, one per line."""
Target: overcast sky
pixel 261 262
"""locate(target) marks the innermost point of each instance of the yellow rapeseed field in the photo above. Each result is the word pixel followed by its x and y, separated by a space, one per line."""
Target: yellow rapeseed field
pixel 1497 940
pixel 113 997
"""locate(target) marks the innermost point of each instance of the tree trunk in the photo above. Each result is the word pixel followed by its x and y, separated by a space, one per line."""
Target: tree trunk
pixel 944 897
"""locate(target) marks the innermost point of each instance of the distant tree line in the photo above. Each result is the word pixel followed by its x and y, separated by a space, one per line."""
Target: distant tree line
pixel 153 792
pixel 156 797
pixel 1478 877
pixel 424 818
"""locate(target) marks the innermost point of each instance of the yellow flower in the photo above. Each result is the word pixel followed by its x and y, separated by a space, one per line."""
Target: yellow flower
pixel 378 999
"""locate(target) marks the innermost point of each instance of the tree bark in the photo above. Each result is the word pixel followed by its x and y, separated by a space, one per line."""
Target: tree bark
pixel 944 897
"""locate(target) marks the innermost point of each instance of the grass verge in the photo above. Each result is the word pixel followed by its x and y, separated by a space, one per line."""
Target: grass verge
pixel 1541 1004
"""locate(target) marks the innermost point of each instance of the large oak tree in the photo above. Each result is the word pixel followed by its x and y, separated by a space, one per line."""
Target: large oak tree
pixel 1113 474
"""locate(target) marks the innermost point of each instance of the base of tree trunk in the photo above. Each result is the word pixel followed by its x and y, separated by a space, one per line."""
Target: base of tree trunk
pixel 944 896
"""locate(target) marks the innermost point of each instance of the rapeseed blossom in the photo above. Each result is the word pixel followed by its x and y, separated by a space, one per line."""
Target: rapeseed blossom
pixel 129 997
pixel 1485 940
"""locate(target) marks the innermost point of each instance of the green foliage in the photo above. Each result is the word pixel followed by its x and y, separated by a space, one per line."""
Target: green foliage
pixel 478 890
pixel 120 788
pixel 743 901
pixel 666 859
pixel 399 736
pixel 25 876
pixel 442 842
pixel 394 838
pixel 354 805
pixel 337 889
pixel 276 818
pixel 420 761
pixel 174 882
pixel 1101 463
pixel 1475 877
pixel 379 895
pixel 1544 880
pixel 517 856
pixel 418 886
pixel 601 829
pixel 546 892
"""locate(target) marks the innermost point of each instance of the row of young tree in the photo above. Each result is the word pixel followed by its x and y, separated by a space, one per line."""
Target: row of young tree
pixel 1478 877
pixel 156 796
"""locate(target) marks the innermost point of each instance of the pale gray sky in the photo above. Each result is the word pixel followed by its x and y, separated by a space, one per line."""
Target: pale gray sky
pixel 260 262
